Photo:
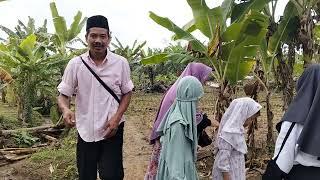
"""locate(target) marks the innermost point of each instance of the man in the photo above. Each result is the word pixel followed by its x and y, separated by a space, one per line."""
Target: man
pixel 98 116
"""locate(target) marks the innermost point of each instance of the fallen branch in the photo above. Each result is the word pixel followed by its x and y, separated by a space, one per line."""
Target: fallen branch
pixel 4 163
pixel 32 130
pixel 19 151
pixel 40 145
pixel 49 138
pixel 12 157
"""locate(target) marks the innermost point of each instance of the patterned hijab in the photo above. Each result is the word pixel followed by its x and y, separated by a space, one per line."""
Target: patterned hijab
pixel 231 127
pixel 198 70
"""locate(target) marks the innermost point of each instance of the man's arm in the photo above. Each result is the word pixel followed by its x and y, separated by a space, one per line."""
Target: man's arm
pixel 124 103
pixel 112 124
pixel 64 105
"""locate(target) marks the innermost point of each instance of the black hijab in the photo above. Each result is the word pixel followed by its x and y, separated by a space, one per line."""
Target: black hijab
pixel 305 110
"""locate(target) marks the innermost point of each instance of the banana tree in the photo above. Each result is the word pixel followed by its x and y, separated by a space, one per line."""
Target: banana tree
pixel 306 12
pixel 296 28
pixel 64 36
pixel 22 30
pixel 231 50
pixel 32 68
pixel 317 41
pixel 130 53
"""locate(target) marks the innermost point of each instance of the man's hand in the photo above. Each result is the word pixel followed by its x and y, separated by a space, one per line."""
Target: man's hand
pixel 69 118
pixel 226 176
pixel 64 105
pixel 112 126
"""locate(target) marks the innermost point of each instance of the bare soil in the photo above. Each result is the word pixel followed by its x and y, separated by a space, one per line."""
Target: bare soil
pixel 137 151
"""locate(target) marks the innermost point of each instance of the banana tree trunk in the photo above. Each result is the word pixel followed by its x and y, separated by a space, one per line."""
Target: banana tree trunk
pixel 224 99
pixel 151 76
pixel 306 36
pixel 253 93
pixel 27 100
pixel 270 140
pixel 290 86
pixel 285 69
pixel 3 95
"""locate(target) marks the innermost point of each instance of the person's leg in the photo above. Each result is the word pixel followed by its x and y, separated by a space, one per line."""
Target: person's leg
pixel 110 163
pixel 87 159
pixel 154 161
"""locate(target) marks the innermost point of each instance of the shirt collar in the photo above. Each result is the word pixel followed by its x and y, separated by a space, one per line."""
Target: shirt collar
pixel 108 57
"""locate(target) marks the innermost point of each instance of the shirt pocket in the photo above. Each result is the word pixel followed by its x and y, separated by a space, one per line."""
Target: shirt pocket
pixel 112 84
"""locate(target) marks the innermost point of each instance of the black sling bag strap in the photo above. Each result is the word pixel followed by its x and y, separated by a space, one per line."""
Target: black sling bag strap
pixel 101 82
pixel 285 139
pixel 273 172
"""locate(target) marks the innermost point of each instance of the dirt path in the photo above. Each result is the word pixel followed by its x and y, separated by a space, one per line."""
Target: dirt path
pixel 136 149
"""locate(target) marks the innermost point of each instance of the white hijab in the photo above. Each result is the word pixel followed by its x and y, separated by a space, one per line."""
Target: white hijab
pixel 231 126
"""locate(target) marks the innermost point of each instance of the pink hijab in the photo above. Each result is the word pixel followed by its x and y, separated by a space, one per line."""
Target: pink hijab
pixel 198 70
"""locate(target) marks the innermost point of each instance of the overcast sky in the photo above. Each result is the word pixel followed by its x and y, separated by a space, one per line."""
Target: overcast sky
pixel 128 19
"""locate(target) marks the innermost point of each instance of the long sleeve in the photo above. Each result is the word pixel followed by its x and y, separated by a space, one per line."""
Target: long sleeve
pixel 126 82
pixel 287 155
pixel 223 161
pixel 290 154
pixel 176 161
pixel 69 82
pixel 179 148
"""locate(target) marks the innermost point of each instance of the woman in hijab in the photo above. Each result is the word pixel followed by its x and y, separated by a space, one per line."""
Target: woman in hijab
pixel 231 146
pixel 198 70
pixel 178 133
pixel 299 157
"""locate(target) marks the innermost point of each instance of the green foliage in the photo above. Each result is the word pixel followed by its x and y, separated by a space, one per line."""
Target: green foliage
pixel 298 66
pixel 36 59
pixel 239 42
pixel 240 10
pixel 24 139
pixel 132 54
pixel 167 79
pixel 286 29
pixel 317 32
pixel 54 114
pixel 206 19
pixel 61 159
pixel 64 35
pixel 180 33
pixel 37 119
pixel 8 117
pixel 33 68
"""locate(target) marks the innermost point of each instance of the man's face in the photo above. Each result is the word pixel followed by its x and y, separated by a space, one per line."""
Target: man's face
pixel 98 39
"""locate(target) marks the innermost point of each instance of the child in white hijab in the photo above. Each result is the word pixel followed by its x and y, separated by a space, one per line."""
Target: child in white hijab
pixel 230 145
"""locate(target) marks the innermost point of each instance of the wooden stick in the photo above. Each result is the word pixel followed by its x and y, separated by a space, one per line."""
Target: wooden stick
pixel 49 138
pixel 4 163
pixel 16 157
pixel 33 129
pixel 19 151
pixel 16 148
